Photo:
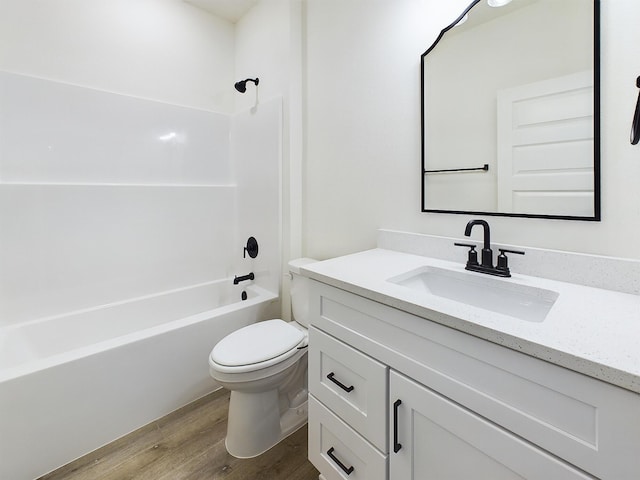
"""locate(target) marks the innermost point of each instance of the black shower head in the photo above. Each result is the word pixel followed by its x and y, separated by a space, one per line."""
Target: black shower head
pixel 241 86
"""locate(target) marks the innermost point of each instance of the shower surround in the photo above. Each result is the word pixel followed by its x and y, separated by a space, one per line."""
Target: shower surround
pixel 108 201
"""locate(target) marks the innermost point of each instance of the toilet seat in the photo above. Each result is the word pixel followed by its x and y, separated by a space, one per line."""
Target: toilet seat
pixel 257 346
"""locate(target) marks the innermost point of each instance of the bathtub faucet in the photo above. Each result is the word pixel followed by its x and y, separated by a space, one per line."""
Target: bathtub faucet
pixel 242 278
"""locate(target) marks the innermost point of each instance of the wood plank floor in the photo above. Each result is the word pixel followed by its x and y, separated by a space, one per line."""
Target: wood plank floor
pixel 189 445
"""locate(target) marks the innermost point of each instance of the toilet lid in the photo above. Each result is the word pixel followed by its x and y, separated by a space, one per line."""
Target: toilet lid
pixel 256 343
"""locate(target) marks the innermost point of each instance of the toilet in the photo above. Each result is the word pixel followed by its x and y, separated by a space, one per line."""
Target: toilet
pixel 265 367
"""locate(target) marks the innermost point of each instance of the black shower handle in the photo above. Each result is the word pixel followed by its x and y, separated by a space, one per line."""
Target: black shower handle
pixel 251 248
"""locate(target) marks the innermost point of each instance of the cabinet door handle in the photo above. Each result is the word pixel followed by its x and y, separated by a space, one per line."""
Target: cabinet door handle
pixel 338 462
pixel 396 445
pixel 340 384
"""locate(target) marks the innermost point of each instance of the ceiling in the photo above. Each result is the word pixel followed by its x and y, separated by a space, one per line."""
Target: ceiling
pixel 231 10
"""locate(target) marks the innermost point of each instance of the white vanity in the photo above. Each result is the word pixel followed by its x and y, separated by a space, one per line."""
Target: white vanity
pixel 408 383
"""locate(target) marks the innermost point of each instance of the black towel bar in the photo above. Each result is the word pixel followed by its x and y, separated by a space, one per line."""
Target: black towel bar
pixel 485 167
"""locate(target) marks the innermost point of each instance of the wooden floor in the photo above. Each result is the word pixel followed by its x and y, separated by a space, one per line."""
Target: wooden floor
pixel 189 444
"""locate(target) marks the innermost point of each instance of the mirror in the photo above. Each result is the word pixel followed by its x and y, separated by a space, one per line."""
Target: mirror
pixel 510 112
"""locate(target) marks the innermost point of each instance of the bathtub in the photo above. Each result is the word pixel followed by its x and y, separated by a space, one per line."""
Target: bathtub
pixel 72 383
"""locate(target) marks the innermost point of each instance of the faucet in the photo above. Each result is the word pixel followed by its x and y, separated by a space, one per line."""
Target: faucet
pixel 242 278
pixel 486 263
pixel 487 253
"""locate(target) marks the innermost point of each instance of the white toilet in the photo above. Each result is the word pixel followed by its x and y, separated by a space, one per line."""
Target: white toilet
pixel 265 367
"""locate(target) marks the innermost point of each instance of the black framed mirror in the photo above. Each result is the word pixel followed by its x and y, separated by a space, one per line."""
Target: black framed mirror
pixel 511 111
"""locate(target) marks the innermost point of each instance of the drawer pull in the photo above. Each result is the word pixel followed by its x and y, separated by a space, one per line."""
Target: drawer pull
pixel 340 384
pixel 396 446
pixel 338 462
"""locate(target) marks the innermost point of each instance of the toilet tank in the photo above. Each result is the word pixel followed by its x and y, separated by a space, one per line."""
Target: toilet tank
pixel 300 291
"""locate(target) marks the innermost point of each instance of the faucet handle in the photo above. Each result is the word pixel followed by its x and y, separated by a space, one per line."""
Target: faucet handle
pixel 503 261
pixel 505 250
pixel 473 255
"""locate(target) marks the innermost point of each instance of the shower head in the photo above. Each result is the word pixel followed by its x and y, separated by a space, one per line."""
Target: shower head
pixel 241 86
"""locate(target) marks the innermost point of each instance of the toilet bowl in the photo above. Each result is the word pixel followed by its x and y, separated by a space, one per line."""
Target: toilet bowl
pixel 265 367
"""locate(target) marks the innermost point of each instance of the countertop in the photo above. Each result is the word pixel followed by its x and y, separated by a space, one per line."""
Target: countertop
pixel 589 330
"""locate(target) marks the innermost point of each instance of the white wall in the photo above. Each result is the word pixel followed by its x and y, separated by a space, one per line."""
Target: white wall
pixel 262 50
pixel 164 50
pixel 363 131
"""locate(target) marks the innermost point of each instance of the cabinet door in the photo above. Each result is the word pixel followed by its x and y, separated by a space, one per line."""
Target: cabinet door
pixel 434 438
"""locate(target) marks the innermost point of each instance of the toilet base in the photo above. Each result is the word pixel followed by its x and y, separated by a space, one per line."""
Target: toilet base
pixel 293 419
pixel 265 406
pixel 255 423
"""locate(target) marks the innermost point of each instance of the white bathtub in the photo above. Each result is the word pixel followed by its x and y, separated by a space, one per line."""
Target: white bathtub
pixel 70 384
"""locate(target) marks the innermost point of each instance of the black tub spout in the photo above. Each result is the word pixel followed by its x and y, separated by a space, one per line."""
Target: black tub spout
pixel 242 278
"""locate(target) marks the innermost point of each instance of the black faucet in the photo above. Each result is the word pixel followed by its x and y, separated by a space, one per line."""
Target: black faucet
pixel 487 253
pixel 486 264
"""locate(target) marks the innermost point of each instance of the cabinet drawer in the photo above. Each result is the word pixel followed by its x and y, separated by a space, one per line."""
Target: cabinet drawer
pixel 352 384
pixel 335 449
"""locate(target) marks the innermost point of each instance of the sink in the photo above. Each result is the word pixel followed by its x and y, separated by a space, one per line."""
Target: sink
pixel 505 297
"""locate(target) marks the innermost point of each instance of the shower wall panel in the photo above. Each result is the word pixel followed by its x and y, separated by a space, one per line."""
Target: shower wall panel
pixel 52 132
pixel 256 147
pixel 105 197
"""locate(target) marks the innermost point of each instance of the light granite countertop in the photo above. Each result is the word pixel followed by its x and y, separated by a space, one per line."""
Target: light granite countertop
pixel 589 330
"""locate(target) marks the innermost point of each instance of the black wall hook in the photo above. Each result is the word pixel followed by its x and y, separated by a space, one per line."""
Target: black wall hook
pixel 635 126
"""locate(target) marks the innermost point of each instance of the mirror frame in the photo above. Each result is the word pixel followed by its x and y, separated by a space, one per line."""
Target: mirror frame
pixel 596 126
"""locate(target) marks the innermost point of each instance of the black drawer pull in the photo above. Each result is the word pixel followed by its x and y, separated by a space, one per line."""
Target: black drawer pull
pixel 340 384
pixel 339 463
pixel 396 446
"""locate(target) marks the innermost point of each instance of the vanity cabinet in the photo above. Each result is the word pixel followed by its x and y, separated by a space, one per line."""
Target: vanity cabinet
pixel 431 402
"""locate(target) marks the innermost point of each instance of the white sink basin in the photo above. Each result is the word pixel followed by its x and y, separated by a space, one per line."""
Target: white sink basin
pixel 481 291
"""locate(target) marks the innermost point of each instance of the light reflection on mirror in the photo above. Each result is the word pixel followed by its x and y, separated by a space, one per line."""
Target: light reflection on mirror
pixel 515 88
